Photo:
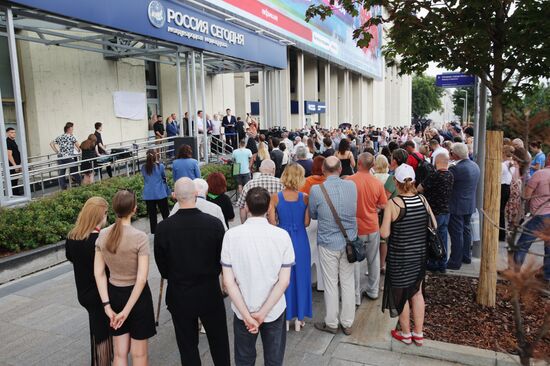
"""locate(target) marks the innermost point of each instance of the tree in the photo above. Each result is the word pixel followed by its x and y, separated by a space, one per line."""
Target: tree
pixel 499 41
pixel 527 116
pixel 426 97
pixel 458 103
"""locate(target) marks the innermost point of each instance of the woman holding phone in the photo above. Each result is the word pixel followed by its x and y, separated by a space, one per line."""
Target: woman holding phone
pixel 125 296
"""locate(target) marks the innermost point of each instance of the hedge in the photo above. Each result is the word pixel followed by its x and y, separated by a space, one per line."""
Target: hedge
pixel 48 220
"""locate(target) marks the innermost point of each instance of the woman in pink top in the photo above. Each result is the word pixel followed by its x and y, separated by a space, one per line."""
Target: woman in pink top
pixel 126 296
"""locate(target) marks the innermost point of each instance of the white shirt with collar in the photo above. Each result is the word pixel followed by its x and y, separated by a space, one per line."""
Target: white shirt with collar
pixel 216 125
pixel 256 251
pixel 206 207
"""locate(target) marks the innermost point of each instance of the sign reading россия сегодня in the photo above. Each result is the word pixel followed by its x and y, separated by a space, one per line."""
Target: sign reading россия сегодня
pixel 170 21
pixel 192 27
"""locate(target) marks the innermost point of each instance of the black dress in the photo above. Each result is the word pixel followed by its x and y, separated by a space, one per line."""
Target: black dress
pixel 406 260
pixel 225 204
pixel 87 165
pixel 82 253
pixel 346 167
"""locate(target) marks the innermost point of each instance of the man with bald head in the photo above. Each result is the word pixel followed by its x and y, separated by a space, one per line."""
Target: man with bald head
pixel 188 248
pixel 201 189
pixel 266 180
pixel 371 197
pixel 337 272
pixel 437 188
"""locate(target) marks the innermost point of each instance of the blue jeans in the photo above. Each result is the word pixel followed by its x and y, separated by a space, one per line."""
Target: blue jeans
pixel 461 240
pixel 273 339
pixel 442 226
pixel 73 169
pixel 526 239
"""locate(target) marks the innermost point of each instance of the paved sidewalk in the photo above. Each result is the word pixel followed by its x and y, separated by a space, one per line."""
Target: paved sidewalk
pixel 41 323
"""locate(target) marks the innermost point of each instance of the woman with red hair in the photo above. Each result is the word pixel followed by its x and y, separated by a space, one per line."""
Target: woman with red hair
pixel 316 176
pixel 217 186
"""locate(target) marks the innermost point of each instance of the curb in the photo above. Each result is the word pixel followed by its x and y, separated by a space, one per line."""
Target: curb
pixel 25 263
pixel 463 355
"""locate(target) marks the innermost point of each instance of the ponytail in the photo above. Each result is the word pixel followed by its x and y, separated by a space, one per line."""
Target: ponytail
pixel 124 203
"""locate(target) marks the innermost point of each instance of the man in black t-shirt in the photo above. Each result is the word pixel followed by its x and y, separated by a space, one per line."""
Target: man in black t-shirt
pixel 437 189
pixel 101 147
pixel 158 128
pixel 14 158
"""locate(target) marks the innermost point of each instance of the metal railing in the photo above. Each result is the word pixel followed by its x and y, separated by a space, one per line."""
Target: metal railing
pixel 44 170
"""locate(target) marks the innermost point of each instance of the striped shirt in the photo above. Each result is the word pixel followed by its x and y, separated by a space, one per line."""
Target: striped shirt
pixel 344 198
pixel 269 182
pixel 407 243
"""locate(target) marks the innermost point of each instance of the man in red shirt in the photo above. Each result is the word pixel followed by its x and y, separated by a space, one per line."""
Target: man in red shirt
pixel 414 156
pixel 370 197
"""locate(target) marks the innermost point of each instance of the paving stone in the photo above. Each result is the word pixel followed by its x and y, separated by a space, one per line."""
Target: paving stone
pixel 309 359
pixel 504 359
pixel 409 360
pixel 371 326
pixel 360 354
pixel 339 362
pixel 314 341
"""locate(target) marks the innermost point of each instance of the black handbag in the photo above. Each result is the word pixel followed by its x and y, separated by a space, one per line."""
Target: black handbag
pixel 355 249
pixel 434 246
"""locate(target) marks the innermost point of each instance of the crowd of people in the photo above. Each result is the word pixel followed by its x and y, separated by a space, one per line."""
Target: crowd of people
pixel 382 186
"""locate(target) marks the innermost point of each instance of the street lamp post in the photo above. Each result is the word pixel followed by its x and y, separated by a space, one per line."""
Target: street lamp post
pixel 465 112
pixel 464 109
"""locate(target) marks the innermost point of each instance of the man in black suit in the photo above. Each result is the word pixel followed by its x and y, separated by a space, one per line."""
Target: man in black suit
pixel 229 122
pixel 277 156
pixel 187 252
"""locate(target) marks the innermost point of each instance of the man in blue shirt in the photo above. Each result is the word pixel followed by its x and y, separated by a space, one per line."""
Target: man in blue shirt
pixel 539 159
pixel 242 157
pixel 335 267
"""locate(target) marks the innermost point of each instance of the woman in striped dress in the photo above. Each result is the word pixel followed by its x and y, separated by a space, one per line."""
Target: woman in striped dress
pixel 404 226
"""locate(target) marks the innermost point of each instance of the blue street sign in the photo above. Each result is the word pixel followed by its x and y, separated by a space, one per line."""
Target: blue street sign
pixel 454 80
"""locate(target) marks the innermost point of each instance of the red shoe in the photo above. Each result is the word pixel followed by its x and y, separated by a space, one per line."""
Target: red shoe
pixel 418 339
pixel 400 337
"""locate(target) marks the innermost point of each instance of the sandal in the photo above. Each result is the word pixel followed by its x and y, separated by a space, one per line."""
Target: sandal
pixel 418 338
pixel 398 335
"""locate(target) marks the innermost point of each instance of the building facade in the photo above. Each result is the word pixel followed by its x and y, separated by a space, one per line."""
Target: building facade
pixel 60 84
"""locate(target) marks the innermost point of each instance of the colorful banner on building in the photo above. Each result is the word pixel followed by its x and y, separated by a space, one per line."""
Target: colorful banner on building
pixel 331 38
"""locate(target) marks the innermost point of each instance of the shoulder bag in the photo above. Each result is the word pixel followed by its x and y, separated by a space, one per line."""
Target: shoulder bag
pixel 434 246
pixel 355 249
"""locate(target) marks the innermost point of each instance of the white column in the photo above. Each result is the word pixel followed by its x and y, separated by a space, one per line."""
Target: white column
pixel 300 88
pixel 325 118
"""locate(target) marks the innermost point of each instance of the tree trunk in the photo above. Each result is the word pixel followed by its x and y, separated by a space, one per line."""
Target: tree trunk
pixel 486 292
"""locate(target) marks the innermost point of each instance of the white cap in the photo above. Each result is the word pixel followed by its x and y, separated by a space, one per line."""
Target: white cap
pixel 404 172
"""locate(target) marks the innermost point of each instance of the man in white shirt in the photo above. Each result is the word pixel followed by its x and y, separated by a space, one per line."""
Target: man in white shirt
pixel 288 144
pixel 202 204
pixel 216 133
pixel 297 143
pixel 437 149
pixel 256 260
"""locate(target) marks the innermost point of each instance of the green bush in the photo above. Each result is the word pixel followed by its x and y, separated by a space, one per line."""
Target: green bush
pixel 225 169
pixel 48 220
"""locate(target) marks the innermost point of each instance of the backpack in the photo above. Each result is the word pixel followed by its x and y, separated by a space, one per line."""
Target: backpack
pixel 423 171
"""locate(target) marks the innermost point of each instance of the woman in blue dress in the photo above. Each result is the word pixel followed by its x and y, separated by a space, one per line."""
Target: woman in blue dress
pixel 289 210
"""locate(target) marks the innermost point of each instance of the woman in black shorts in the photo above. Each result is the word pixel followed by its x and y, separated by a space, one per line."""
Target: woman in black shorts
pixel 126 297
pixel 80 251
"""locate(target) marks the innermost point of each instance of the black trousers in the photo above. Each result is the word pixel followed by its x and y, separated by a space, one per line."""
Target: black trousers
pixel 152 205
pixel 504 197
pixel 185 316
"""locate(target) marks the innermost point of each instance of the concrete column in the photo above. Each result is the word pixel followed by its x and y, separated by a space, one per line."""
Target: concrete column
pixel 242 94
pixel 357 100
pixel 286 117
pixel 311 82
pixel 299 119
pixel 335 96
pixel 325 94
